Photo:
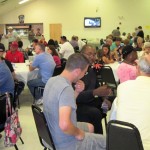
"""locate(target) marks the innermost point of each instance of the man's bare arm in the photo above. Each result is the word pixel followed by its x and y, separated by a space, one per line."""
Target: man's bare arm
pixel 66 125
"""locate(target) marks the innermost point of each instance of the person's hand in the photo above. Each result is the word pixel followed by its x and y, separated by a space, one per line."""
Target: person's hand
pixel 102 91
pixel 109 104
pixel 79 86
pixel 80 135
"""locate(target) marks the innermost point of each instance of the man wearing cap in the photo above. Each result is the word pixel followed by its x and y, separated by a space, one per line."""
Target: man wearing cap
pixel 66 48
pixel 9 65
pixel 127 69
pixel 14 55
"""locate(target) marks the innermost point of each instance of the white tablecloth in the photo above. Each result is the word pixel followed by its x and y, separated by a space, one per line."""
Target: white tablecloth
pixel 21 70
pixel 23 73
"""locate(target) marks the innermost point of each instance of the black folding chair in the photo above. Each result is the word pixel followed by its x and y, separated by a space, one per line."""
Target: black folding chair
pixel 3 113
pixel 123 136
pixel 58 70
pixel 42 128
pixel 107 77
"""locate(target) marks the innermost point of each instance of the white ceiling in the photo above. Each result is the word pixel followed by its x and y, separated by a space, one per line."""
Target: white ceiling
pixel 9 5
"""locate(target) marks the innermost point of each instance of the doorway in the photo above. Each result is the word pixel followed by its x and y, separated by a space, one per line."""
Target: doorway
pixel 55 31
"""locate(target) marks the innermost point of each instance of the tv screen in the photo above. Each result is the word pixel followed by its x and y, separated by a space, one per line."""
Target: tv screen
pixel 92 22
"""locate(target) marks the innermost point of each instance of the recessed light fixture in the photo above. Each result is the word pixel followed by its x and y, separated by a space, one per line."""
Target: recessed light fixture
pixel 23 1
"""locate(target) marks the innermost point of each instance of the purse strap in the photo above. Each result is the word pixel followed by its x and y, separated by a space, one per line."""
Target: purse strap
pixel 9 108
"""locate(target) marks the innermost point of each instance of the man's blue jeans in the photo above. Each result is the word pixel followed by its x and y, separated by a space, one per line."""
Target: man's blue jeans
pixel 35 83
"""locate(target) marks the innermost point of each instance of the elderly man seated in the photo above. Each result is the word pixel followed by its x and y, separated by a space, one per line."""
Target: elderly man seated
pixel 45 63
pixel 133 101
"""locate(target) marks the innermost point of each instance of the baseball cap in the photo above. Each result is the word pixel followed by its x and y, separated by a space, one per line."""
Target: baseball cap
pixel 127 50
pixel 14 44
pixel 2 47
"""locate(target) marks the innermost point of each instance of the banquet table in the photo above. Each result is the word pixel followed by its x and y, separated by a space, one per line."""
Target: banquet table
pixel 23 73
pixel 21 70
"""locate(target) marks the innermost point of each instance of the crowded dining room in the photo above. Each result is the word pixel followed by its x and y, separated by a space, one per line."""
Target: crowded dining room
pixel 74 75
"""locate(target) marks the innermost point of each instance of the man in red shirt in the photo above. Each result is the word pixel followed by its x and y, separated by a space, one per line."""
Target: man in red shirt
pixel 14 55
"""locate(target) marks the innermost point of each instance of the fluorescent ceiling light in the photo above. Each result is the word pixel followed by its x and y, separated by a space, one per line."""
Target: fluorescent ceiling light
pixel 23 1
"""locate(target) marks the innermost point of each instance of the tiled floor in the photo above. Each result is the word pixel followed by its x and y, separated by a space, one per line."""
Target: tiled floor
pixel 29 134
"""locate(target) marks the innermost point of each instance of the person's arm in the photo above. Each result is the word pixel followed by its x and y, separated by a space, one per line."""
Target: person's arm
pixel 31 68
pixel 102 91
pixel 34 64
pixel 79 87
pixel 87 96
pixel 14 76
pixel 66 125
pixel 107 61
pixel 115 55
pixel 9 65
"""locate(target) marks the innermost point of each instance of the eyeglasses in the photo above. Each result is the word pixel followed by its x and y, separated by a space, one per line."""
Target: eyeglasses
pixel 90 54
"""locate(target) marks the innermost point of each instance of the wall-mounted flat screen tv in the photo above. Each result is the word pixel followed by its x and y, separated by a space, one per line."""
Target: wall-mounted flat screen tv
pixel 92 22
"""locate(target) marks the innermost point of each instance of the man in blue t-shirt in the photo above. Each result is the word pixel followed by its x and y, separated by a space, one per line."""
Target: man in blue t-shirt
pixel 45 63
pixel 6 79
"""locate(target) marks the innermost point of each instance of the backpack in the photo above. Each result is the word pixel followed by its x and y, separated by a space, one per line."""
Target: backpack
pixel 12 127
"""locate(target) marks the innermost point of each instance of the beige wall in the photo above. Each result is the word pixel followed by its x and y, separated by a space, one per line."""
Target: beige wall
pixel 70 13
